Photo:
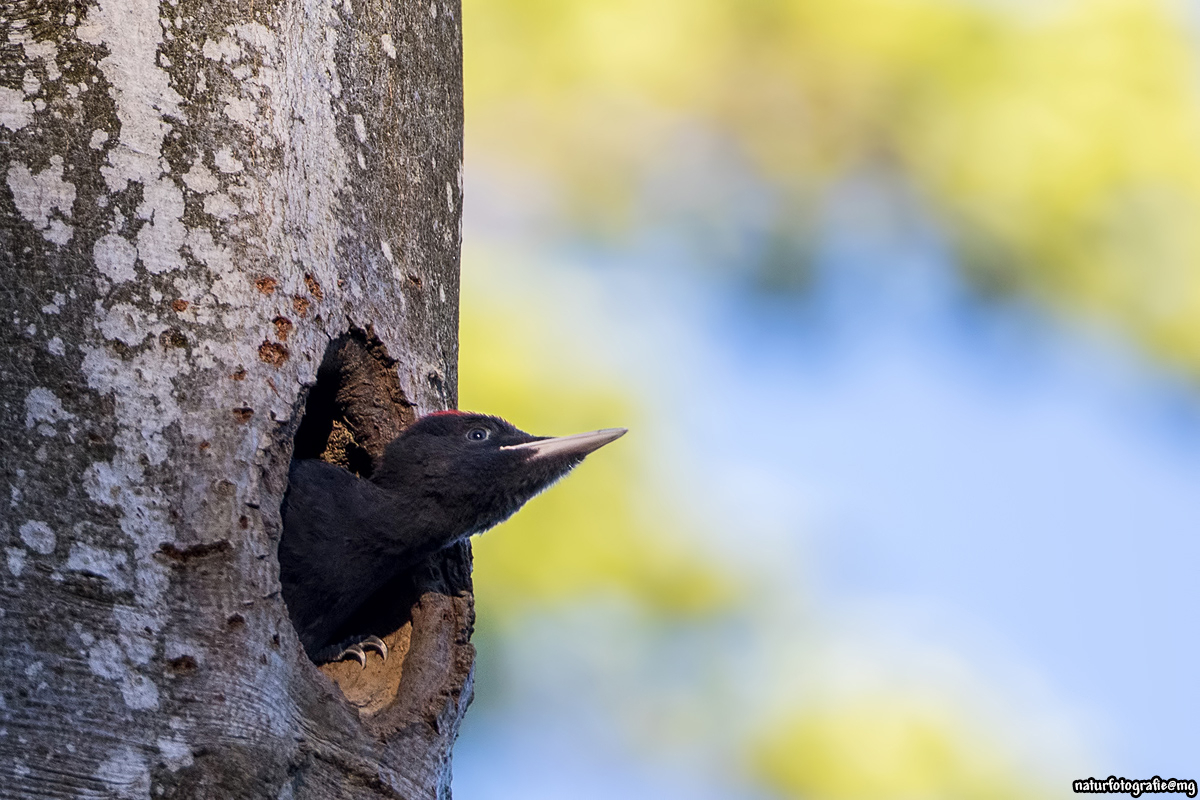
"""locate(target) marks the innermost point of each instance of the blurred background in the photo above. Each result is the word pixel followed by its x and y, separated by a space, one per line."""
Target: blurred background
pixel 900 300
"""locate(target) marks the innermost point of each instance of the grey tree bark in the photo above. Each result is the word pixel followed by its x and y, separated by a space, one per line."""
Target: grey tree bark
pixel 228 229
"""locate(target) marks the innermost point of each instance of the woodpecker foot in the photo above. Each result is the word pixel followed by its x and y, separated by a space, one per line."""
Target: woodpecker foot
pixel 355 649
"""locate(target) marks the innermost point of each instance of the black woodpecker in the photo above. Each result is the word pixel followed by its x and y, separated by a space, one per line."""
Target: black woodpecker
pixel 447 476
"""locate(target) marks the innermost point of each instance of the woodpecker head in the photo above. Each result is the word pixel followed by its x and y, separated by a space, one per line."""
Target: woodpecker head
pixel 480 469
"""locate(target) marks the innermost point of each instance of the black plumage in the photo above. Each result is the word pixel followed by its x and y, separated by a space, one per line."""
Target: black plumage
pixel 446 477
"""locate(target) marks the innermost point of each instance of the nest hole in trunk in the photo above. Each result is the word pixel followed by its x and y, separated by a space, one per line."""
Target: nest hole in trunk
pixel 424 615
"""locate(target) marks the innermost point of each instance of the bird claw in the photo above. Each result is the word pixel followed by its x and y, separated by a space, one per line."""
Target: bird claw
pixel 357 650
pixel 376 644
pixel 354 651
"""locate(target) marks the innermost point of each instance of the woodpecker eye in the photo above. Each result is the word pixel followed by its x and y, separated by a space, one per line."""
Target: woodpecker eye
pixel 477 434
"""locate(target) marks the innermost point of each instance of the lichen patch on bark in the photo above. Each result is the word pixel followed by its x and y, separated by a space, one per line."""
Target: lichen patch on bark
pixel 40 195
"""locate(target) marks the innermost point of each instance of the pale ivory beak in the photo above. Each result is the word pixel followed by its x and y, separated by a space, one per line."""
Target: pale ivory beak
pixel 579 444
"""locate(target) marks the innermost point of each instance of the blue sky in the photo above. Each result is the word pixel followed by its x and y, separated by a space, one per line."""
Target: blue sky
pixel 951 490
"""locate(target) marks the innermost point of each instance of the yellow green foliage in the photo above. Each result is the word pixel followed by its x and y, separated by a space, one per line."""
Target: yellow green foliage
pixel 1058 141
pixel 584 536
pixel 886 748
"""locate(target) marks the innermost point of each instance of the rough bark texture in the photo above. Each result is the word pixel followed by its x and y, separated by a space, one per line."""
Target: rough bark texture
pixel 201 203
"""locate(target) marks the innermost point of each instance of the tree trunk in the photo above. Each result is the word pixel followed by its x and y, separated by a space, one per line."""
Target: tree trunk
pixel 214 216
